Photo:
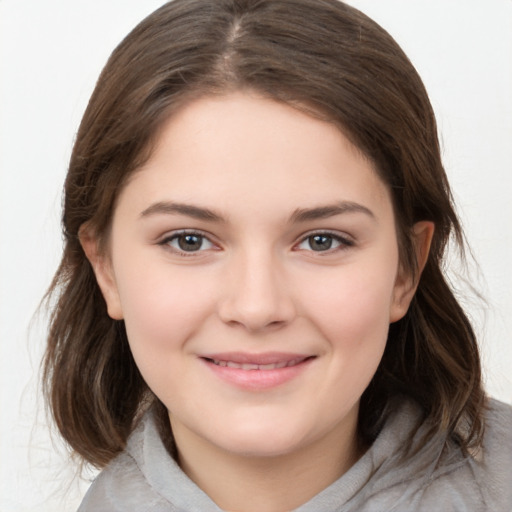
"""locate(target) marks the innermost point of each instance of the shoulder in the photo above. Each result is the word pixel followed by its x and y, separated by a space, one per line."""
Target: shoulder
pixel 438 476
pixel 144 477
pixel 496 463
pixel 498 422
pixel 483 481
pixel 122 487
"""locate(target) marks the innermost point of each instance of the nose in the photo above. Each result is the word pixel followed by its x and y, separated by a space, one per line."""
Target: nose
pixel 257 295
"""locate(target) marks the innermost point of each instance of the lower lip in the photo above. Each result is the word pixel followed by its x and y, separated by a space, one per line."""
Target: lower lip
pixel 258 379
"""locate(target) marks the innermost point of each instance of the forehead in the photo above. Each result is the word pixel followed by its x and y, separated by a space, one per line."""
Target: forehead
pixel 245 149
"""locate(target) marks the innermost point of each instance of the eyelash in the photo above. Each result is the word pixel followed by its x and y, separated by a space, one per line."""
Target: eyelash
pixel 343 242
pixel 178 234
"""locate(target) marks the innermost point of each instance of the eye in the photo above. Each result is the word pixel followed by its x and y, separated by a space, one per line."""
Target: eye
pixel 188 242
pixel 322 242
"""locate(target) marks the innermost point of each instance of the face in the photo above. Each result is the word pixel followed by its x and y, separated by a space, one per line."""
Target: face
pixel 254 261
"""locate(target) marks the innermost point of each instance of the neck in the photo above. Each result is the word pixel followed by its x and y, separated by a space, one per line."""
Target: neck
pixel 279 483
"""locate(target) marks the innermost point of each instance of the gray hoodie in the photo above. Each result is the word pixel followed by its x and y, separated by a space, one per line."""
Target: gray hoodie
pixel 144 478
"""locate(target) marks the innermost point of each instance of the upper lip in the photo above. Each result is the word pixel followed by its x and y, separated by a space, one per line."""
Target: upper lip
pixel 258 359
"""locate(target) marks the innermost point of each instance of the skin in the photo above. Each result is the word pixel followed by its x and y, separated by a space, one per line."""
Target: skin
pixel 255 180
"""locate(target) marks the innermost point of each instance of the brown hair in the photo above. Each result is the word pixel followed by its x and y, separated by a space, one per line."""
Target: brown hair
pixel 321 54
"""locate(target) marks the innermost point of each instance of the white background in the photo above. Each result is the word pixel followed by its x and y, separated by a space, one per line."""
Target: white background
pixel 51 54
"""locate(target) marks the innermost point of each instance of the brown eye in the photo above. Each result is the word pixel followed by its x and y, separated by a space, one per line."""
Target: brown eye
pixel 323 242
pixel 320 242
pixel 188 242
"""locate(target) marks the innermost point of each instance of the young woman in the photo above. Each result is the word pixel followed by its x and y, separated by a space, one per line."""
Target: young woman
pixel 252 313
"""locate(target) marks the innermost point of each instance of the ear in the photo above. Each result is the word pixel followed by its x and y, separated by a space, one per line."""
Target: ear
pixel 406 283
pixel 102 267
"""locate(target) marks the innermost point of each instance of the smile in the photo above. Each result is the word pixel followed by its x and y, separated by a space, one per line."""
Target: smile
pixel 257 372
pixel 255 366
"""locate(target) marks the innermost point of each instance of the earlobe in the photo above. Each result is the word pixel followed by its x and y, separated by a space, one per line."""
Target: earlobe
pixel 407 281
pixel 102 268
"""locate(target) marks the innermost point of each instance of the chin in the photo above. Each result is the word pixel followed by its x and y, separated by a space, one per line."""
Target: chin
pixel 262 449
pixel 264 442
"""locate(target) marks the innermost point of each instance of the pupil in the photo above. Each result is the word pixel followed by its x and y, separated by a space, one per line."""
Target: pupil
pixel 320 242
pixel 190 242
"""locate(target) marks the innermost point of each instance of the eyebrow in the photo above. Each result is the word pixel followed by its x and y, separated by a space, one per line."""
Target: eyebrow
pixel 170 208
pixel 299 215
pixel 324 212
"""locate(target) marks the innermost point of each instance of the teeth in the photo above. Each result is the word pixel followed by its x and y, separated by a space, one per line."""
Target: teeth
pixel 270 366
pixel 251 366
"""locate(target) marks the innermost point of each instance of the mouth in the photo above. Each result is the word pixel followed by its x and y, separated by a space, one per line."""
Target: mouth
pixel 257 371
pixel 229 363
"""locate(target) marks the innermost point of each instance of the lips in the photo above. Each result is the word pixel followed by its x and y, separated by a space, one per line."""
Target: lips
pixel 254 366
pixel 257 371
pixel 264 361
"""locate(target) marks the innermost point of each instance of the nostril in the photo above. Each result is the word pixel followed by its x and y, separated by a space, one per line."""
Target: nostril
pixel 276 323
pixel 257 300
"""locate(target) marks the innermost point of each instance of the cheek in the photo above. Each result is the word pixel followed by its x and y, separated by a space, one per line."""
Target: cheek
pixel 349 309
pixel 352 306
pixel 162 307
pixel 163 310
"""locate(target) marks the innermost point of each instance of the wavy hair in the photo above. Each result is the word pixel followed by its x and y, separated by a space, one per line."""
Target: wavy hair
pixel 320 56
